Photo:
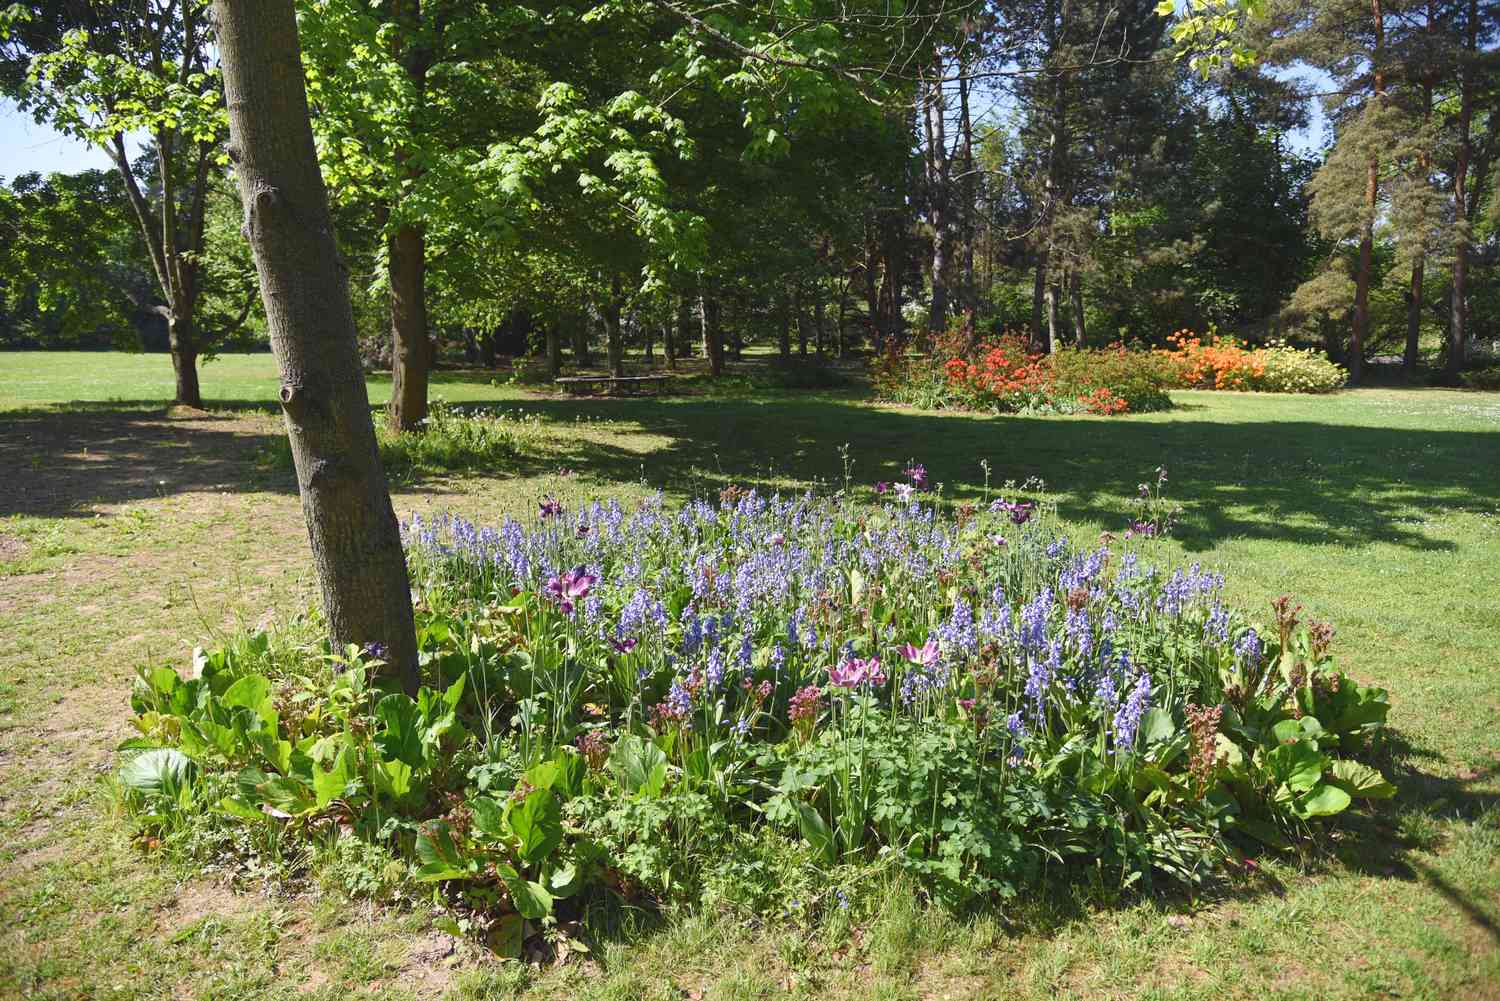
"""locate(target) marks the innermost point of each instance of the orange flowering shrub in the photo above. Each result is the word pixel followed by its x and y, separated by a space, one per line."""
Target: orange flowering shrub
pixel 1002 373
pixel 1217 363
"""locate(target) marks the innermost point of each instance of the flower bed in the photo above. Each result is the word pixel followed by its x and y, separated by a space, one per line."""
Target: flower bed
pixel 1225 363
pixel 1003 375
pixel 766 697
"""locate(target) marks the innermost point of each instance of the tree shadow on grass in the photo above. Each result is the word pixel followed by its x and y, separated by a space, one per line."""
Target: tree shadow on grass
pixel 62 461
pixel 1296 481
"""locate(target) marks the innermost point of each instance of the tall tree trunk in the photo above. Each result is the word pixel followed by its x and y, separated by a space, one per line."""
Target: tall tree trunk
pixel 843 322
pixel 554 347
pixel 668 350
pixel 967 293
pixel 713 333
pixel 799 308
pixel 356 543
pixel 582 325
pixel 820 321
pixel 487 349
pixel 1457 334
pixel 683 342
pixel 184 347
pixel 784 335
pixel 1052 331
pixel 648 333
pixel 411 344
pixel 614 342
pixel 1039 300
pixel 1361 332
pixel 1075 292
pixel 1413 316
pixel 938 195
pixel 411 351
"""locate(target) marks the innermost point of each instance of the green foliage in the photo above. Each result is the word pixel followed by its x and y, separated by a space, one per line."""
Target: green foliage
pixel 588 733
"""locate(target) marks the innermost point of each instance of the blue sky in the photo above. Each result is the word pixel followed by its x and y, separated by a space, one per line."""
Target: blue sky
pixel 25 145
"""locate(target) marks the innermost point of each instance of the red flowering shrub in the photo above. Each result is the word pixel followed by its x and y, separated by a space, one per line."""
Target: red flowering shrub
pixel 1004 374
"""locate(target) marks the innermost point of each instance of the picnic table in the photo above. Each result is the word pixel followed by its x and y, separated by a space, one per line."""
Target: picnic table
pixel 579 384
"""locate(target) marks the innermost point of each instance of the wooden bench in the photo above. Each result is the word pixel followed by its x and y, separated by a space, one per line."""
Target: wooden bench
pixel 579 384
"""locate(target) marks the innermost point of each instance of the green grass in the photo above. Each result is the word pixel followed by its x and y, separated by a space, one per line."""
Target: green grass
pixel 128 534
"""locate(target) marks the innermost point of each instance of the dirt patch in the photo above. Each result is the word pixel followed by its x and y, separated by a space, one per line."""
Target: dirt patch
pixel 12 548
pixel 199 900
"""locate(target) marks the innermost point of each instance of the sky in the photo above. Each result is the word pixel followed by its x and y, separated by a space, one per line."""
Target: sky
pixel 25 146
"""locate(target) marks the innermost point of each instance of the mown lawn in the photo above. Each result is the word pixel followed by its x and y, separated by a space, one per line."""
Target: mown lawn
pixel 128 534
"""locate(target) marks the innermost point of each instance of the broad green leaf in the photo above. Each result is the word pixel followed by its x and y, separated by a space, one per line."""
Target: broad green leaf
pixel 161 772
pixel 1360 780
pixel 536 822
pixel 489 817
pixel 531 900
pixel 393 778
pixel 815 830
pixel 1157 725
pixel 1323 800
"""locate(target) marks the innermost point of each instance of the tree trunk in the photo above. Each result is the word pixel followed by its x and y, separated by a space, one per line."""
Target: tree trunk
pixel 356 544
pixel 184 349
pixel 820 319
pixel 938 196
pixel 581 327
pixel 1075 292
pixel 554 349
pixel 843 326
pixel 1039 300
pixel 1413 317
pixel 1355 359
pixel 1052 333
pixel 713 334
pixel 1457 335
pixel 613 341
pixel 784 337
pixel 487 349
pixel 797 308
pixel 411 351
pixel 683 343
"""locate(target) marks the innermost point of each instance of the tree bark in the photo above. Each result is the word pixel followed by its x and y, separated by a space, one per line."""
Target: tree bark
pixel 411 350
pixel 1052 332
pixel 784 335
pixel 184 348
pixel 1457 334
pixel 487 349
pixel 356 544
pixel 613 342
pixel 1075 293
pixel 682 346
pixel 939 196
pixel 554 349
pixel 1355 359
pixel 1039 300
pixel 1413 317
pixel 581 327
pixel 713 334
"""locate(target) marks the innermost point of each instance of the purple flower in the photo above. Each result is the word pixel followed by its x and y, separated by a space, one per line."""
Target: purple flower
pixel 1128 717
pixel 623 646
pixel 377 651
pixel 881 486
pixel 905 492
pixel 854 672
pixel 551 508
pixel 917 474
pixel 570 587
pixel 1249 649
pixel 925 655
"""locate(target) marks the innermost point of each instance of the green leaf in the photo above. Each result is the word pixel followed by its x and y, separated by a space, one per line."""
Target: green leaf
pixel 401 737
pixel 536 822
pixel 162 772
pixel 815 830
pixel 440 857
pixel 1324 800
pixel 489 817
pixel 1157 725
pixel 640 766
pixel 233 806
pixel 1360 780
pixel 531 900
pixel 332 784
pixel 252 692
pixel 393 778
pixel 507 935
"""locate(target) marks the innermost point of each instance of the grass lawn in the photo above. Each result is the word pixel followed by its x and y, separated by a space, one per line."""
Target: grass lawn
pixel 129 533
